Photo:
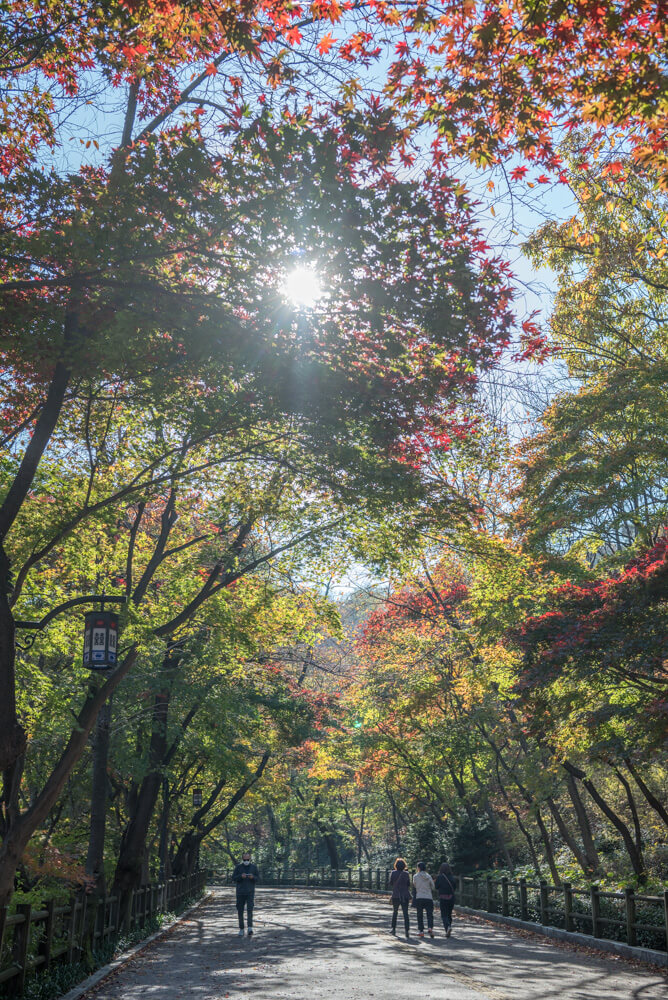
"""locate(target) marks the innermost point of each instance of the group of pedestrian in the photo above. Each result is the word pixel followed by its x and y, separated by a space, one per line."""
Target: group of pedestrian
pixel 421 895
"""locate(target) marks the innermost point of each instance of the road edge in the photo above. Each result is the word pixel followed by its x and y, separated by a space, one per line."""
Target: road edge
pixel 97 977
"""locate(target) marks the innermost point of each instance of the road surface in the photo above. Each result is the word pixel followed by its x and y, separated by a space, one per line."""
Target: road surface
pixel 336 946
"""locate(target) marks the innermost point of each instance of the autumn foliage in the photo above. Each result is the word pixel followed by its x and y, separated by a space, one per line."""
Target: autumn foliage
pixel 177 432
pixel 616 625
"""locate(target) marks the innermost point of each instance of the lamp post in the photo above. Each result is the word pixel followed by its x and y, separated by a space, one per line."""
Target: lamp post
pixel 197 797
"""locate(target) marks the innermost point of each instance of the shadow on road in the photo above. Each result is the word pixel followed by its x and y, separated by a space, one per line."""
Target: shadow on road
pixel 312 946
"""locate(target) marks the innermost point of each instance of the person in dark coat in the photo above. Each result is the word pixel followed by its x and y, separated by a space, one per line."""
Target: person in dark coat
pixel 445 887
pixel 246 876
pixel 400 883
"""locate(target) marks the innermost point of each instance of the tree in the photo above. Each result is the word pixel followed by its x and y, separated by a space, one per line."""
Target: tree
pixel 594 476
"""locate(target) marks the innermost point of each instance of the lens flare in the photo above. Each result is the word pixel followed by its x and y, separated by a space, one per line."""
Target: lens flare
pixel 302 287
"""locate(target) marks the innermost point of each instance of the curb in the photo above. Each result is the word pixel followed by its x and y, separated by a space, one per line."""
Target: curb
pixel 96 978
pixel 646 955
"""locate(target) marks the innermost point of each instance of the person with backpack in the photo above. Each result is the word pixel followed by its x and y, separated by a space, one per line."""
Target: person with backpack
pixel 400 883
pixel 445 887
pixel 423 884
pixel 246 876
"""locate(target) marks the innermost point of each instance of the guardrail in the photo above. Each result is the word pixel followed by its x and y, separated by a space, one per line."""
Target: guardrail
pixel 630 917
pixel 31 940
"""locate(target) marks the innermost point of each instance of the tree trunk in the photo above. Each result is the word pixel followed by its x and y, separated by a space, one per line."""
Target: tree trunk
pixel 186 850
pixel 635 856
pixel 500 839
pixel 591 853
pixel 98 802
pixel 547 844
pixel 330 844
pixel 568 839
pixel 191 840
pixel 163 849
pixel 129 867
pixel 529 839
pixel 651 798
pixel 12 733
pixel 633 809
pixel 395 821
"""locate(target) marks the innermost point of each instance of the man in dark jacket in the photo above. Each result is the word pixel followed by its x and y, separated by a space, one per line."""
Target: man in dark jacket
pixel 246 876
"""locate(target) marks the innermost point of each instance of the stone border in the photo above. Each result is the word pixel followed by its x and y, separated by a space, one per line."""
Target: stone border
pixel 647 955
pixel 93 980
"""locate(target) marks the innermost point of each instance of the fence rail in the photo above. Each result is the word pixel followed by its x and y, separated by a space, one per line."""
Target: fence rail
pixel 630 917
pixel 31 940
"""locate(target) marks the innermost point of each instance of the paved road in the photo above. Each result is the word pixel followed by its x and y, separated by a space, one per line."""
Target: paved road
pixel 329 946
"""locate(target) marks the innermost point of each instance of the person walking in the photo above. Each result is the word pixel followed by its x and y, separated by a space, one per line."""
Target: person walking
pixel 400 883
pixel 445 887
pixel 246 876
pixel 424 900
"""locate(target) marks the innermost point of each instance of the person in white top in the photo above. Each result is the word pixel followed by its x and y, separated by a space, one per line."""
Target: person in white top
pixel 424 900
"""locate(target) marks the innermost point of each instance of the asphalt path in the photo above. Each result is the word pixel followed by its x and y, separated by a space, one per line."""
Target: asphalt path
pixel 321 945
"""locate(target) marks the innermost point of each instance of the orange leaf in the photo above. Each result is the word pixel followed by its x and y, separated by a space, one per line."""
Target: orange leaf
pixel 325 43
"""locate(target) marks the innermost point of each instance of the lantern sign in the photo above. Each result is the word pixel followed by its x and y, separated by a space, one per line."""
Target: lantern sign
pixel 100 640
pixel 197 797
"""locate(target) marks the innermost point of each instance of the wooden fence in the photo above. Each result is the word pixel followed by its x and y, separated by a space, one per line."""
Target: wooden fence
pixel 631 917
pixel 31 940
pixel 634 918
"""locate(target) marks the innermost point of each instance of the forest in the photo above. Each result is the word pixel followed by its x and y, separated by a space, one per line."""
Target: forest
pixel 387 560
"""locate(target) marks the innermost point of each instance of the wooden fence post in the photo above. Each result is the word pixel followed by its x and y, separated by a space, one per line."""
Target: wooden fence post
pixel 90 926
pixel 104 921
pixel 47 940
pixel 71 930
pixel 3 924
pixel 378 878
pixel 81 944
pixel 544 904
pixel 665 912
pixel 504 896
pixel 568 906
pixel 350 878
pixel 630 901
pixel 21 942
pixel 460 879
pixel 524 909
pixel 595 911
pixel 490 894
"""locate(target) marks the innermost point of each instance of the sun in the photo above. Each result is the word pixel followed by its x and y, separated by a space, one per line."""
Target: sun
pixel 302 287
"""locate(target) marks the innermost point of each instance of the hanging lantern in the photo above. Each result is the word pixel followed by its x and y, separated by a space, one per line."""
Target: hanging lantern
pixel 197 797
pixel 100 640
